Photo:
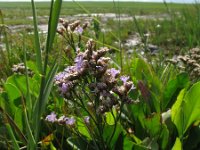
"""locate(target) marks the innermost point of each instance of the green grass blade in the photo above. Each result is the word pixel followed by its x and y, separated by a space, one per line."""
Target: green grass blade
pixel 53 21
pixel 48 87
pixel 12 124
pixel 28 106
pixel 47 82
pixel 12 136
pixel 37 40
pixel 6 38
pixel 28 96
pixel 52 27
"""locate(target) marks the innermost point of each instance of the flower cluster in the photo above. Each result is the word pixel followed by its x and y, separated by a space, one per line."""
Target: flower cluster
pixel 20 69
pixel 63 120
pixel 104 84
pixel 189 63
pixel 74 27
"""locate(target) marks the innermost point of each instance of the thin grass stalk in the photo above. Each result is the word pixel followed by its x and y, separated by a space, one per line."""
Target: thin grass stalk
pixel 12 136
pixel 28 106
pixel 117 12
pixel 10 132
pixel 6 38
pixel 11 122
pixel 28 96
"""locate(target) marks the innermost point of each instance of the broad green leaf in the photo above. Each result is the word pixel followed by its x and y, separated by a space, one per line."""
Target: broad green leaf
pixel 143 71
pixel 177 145
pixel 110 118
pixel 12 91
pixel 111 134
pixel 181 81
pixel 189 110
pixel 153 125
pixel 32 66
pixel 164 137
pixel 119 142
pixel 128 144
pixel 18 118
pixel 19 81
pixel 176 107
pixel 83 129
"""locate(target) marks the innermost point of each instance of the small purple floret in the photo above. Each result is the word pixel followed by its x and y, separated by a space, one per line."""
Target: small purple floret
pixel 113 72
pixel 59 76
pixel 79 30
pixel 70 121
pixel 64 88
pixel 79 62
pixel 51 117
pixel 124 79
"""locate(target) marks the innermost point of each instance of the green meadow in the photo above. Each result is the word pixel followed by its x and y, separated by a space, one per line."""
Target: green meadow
pixel 99 75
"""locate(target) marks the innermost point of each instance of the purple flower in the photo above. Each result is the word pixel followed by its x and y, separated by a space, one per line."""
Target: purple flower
pixel 79 62
pixel 113 72
pixel 64 88
pixel 70 70
pixel 78 30
pixel 124 79
pixel 62 119
pixel 59 76
pixel 51 117
pixel 87 119
pixel 70 121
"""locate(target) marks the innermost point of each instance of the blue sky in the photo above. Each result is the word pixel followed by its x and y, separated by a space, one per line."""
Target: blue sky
pixel 178 1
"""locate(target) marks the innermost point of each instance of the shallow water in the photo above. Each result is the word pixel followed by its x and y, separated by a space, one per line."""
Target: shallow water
pixel 87 17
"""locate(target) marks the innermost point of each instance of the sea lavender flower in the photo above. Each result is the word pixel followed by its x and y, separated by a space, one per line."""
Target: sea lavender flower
pixel 124 79
pixel 70 121
pixel 70 70
pixel 79 62
pixel 87 119
pixel 59 76
pixel 128 84
pixel 51 118
pixel 65 87
pixel 78 30
pixel 62 119
pixel 113 72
